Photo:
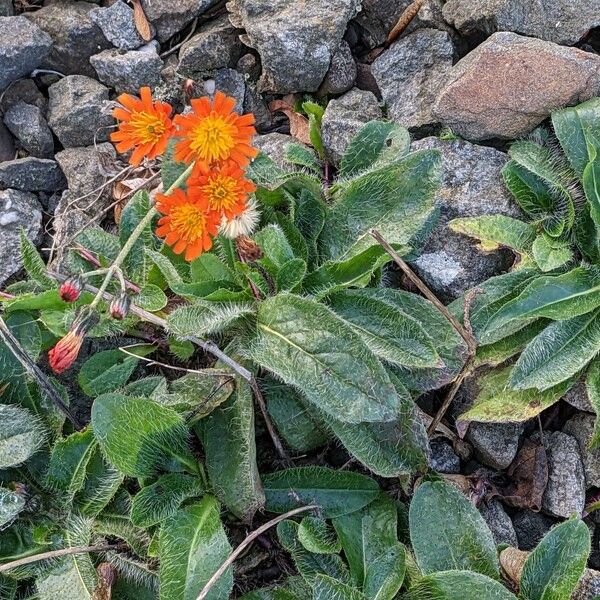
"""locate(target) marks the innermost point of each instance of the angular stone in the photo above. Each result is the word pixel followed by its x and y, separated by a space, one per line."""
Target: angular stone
pixel 255 104
pixel 565 492
pixel 442 458
pixel 449 263
pixel 7 145
pixel 117 25
pixel 295 40
pixel 216 45
pixel 18 210
pixel 232 83
pixel 581 427
pixel 343 119
pixel 499 522
pixel 23 90
pixel 32 175
pixel 171 16
pixel 561 21
pixel 495 444
pixel 78 111
pixel 411 73
pixel 530 528
pixel 509 84
pixel 342 72
pixel 578 397
pixel 128 71
pixel 75 37
pixel 274 145
pixel 28 125
pixel 23 47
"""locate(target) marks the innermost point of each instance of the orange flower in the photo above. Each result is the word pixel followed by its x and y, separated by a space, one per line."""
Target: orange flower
pixel 188 223
pixel 144 125
pixel 212 132
pixel 65 353
pixel 224 188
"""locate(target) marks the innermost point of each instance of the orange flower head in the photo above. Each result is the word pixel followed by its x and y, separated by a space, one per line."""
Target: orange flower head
pixel 65 353
pixel 212 133
pixel 144 125
pixel 188 223
pixel 225 189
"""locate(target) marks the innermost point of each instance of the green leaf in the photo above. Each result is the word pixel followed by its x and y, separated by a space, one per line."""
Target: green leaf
pixel 397 200
pixel 151 298
pixel 170 169
pixel 120 526
pixel 457 585
pixel 309 218
pixel 558 353
pixel 209 267
pixel 306 345
pixel 68 463
pixel 317 536
pixel 328 588
pixel 138 436
pixel 300 155
pixel 21 435
pixel 205 318
pixel 155 502
pixel 335 492
pixel 11 504
pixel 33 262
pixel 448 533
pixel 390 333
pixel 193 545
pixel 109 370
pixel 290 275
pixel 230 448
pixel 552 570
pixel 549 253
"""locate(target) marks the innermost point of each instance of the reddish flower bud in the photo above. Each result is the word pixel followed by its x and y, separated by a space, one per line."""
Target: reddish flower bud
pixel 64 354
pixel 119 307
pixel 71 288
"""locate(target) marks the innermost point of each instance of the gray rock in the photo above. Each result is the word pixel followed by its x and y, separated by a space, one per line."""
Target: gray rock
pixel 23 90
pixel 492 92
pixel 343 119
pixel 216 45
pixel 274 145
pixel 23 47
pixel 78 111
pixel 295 40
pixel 233 84
pixel 588 587
pixel 18 210
pixel 578 397
pixel 7 145
pixel 128 71
pixel 561 21
pixel 32 175
pixel 530 528
pixel 581 427
pixel 495 444
pixel 75 37
pixel 449 263
pixel 170 17
pixel 565 492
pixel 249 66
pixel 28 125
pixel 6 8
pixel 342 72
pixel 499 522
pixel 255 104
pixel 411 73
pixel 117 25
pixel 366 81
pixel 442 458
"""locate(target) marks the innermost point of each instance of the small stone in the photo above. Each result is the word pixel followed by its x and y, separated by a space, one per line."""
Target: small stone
pixel 23 90
pixel 499 523
pixel 581 427
pixel 23 47
pixel 495 444
pixel 128 71
pixel 342 72
pixel 28 125
pixel 117 25
pixel 443 459
pixel 32 175
pixel 18 210
pixel 170 16
pixel 232 84
pixel 249 66
pixel 450 263
pixel 343 119
pixel 588 587
pixel 216 45
pixel 75 37
pixel 565 492
pixel 509 84
pixel 365 80
pixel 561 21
pixel 578 397
pixel 411 73
pixel 78 111
pixel 296 40
pixel 530 528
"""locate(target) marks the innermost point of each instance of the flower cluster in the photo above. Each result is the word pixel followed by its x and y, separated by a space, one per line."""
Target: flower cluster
pixel 217 141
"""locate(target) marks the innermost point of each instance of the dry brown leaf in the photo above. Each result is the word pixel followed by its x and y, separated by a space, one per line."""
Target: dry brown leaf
pixel 512 561
pixel 141 21
pixel 122 191
pixel 299 127
pixel 107 575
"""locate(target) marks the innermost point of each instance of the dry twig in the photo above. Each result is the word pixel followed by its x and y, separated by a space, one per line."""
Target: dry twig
pixel 406 17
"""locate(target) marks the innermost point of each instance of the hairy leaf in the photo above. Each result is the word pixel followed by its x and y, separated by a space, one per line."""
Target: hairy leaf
pixel 328 588
pixel 204 318
pixel 21 435
pixel 317 536
pixel 457 585
pixel 33 262
pixel 11 504
pixel 549 253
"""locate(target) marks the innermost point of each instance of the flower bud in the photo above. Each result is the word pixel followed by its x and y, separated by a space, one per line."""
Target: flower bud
pixel 119 307
pixel 248 249
pixel 71 288
pixel 64 354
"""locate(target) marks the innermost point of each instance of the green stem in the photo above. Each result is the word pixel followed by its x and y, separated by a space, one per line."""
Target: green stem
pixel 133 238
